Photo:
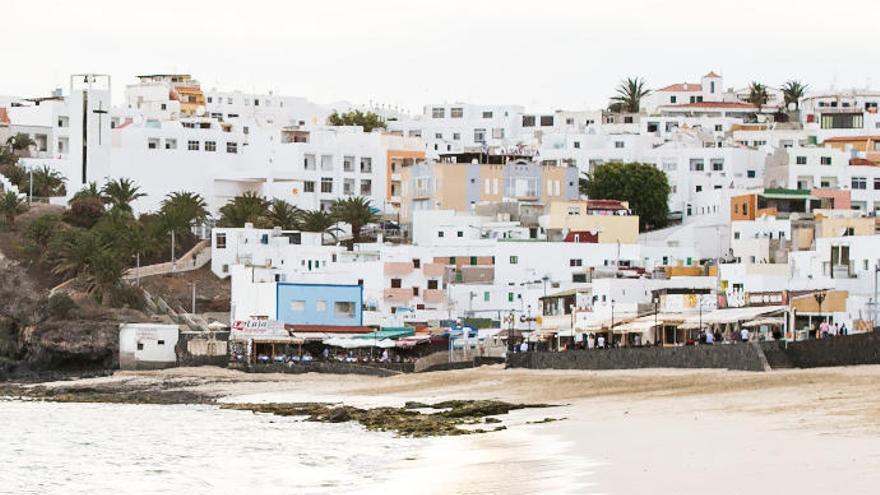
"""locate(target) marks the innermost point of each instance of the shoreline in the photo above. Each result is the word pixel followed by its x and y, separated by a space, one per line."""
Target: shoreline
pixel 643 431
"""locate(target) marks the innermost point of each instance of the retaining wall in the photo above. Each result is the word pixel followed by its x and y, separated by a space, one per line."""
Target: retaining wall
pixel 846 350
pixel 733 356
pixel 333 368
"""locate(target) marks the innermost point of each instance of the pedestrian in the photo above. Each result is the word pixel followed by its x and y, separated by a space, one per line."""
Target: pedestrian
pixel 709 338
pixel 600 342
pixel 843 330
pixel 744 334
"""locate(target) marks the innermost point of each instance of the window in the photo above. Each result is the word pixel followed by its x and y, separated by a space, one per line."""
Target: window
pixel 366 187
pixel 366 165
pixel 514 260
pixel 438 135
pixel 231 147
pixel 750 174
pixel 498 133
pixel 432 285
pixel 577 144
pixel 326 162
pixel 309 186
pixel 719 127
pixel 297 306
pixel 309 162
pixel 673 99
pixel 153 143
pixel 546 121
pixel 170 144
pixel 479 135
pixel 510 297
pixel 348 187
pixel 842 121
pixel 487 296
pixel 575 262
pixel 192 145
pixel 456 136
pixel 859 183
pixel 619 144
pixel 395 283
pixel 801 160
pixel 415 133
pixel 717 164
pixel 460 233
pixel 528 121
pixel 438 113
pixel 220 240
pixel 343 309
pixel 876 184
pixel 439 233
pixel 417 263
pixel 698 188
pixel 825 160
pixel 487 115
pixel 320 306
pixel 697 165
pixel 140 346
pixel 736 235
pixel 456 112
pixel 348 164
pixel 210 145
pixel 326 184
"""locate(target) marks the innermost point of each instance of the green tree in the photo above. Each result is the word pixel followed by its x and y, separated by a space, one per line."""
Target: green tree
pixel 283 214
pixel 181 210
pixel 120 193
pixel 368 120
pixel 89 191
pixel 41 230
pixel 249 207
pixel 20 142
pixel 16 174
pixel 11 206
pixel 645 188
pixel 84 212
pixel 48 182
pixel 356 212
pixel 793 91
pixel 758 95
pixel 629 95
pixel 319 221
pixel 83 255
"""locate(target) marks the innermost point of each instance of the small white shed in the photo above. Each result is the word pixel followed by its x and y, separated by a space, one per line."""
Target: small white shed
pixel 147 345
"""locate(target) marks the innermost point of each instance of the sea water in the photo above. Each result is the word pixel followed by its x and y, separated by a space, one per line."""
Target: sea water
pixel 72 448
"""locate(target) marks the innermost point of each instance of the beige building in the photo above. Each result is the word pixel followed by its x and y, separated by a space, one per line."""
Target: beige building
pixel 598 221
pixel 462 186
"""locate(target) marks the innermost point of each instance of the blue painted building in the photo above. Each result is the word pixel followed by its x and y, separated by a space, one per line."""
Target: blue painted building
pixel 319 304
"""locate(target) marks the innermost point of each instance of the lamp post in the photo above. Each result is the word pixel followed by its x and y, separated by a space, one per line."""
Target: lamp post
pixel 611 330
pixel 876 272
pixel 820 298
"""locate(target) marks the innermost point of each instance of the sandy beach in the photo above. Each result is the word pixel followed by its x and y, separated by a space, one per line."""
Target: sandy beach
pixel 621 432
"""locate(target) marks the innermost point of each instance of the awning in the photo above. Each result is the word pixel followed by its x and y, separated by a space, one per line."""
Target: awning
pixel 388 333
pixel 768 321
pixel 730 315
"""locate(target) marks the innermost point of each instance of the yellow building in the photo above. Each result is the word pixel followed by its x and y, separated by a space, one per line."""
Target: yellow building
pixel 602 221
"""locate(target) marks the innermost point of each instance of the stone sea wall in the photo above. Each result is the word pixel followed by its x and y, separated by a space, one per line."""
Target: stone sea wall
pixel 733 356
pixel 847 350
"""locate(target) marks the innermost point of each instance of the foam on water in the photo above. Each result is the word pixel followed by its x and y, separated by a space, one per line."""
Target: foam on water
pixel 111 448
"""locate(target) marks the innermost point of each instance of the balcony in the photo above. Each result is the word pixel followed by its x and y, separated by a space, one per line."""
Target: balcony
pixel 433 269
pixel 434 296
pixel 398 295
pixel 399 268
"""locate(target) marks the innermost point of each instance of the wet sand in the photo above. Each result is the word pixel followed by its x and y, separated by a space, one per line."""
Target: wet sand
pixel 624 432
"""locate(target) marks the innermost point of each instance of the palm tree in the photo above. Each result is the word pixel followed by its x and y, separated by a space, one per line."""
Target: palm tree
pixel 83 255
pixel 283 214
pixel 11 206
pixel 356 212
pixel 181 210
pixel 758 94
pixel 120 193
pixel 249 207
pixel 48 182
pixel 630 93
pixel 318 221
pixel 793 91
pixel 20 142
pixel 90 191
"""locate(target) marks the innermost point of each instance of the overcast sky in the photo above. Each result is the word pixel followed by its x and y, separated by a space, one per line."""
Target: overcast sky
pixel 547 54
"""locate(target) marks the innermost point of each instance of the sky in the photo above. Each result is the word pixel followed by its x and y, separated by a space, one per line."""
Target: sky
pixel 546 55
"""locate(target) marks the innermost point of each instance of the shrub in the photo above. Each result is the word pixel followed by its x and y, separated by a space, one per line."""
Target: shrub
pixel 125 296
pixel 41 230
pixel 60 307
pixel 84 212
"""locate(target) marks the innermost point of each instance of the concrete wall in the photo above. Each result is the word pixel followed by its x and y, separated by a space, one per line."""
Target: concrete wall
pixel 735 357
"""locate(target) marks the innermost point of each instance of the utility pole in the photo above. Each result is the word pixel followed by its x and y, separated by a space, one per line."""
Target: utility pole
pixel 173 267
pixel 31 186
pixel 193 298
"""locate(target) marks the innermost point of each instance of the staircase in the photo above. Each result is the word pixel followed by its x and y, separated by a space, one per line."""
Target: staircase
pixel 193 259
pixel 776 356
